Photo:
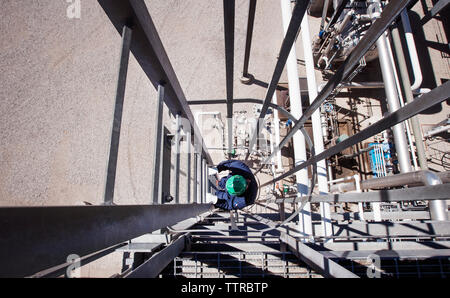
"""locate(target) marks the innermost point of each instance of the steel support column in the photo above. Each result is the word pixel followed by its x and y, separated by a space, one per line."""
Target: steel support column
pixel 117 120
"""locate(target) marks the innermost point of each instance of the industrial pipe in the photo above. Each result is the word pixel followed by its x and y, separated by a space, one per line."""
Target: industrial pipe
pixel 392 99
pixel 412 51
pixel 438 208
pixel 296 109
pixel 325 210
pixel 404 76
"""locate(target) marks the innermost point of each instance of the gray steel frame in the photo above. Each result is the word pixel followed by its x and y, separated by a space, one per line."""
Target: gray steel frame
pixel 420 104
pixel 153 266
pixel 436 192
pixel 315 259
pixel 288 41
pixel 33 239
pixel 117 118
pixel 389 14
pixel 243 100
pixel 149 52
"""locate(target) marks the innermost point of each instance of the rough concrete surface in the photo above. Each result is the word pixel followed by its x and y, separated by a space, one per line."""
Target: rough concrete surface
pixel 58 86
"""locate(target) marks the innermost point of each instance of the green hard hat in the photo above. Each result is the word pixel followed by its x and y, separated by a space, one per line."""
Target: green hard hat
pixel 236 185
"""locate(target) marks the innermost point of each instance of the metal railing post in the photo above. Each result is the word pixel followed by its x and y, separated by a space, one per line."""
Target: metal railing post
pixel 195 188
pixel 188 170
pixel 158 153
pixel 117 121
pixel 177 159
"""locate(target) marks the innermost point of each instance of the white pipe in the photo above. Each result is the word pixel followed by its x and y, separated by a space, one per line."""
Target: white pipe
pixel 276 122
pixel 392 99
pixel 397 83
pixel 358 189
pixel 305 220
pixel 325 211
pixel 414 58
pixel 271 150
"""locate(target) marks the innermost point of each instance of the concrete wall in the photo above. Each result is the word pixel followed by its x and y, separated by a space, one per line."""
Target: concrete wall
pixel 58 89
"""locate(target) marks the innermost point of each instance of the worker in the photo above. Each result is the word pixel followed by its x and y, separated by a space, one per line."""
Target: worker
pixel 235 191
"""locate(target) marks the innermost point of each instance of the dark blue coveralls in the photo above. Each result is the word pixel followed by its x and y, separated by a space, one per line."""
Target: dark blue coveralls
pixel 229 202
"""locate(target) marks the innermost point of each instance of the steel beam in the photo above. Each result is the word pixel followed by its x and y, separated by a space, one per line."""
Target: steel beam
pixel 249 36
pixel 315 259
pixel 243 100
pixel 440 5
pixel 149 52
pixel 389 14
pixel 436 192
pixel 117 120
pixel 289 39
pixel 228 13
pixel 385 229
pixel 33 239
pixel 420 104
pixel 61 270
pixel 388 254
pixel 153 266
pixel 385 245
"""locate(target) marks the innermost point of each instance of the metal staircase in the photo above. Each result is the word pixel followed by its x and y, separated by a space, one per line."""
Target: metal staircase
pixel 225 247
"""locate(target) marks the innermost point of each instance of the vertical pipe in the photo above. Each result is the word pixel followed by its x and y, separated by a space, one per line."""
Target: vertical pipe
pixel 324 15
pixel 412 51
pixel 276 120
pixel 177 159
pixel 158 152
pixel 394 104
pixel 117 121
pixel 405 82
pixel 248 40
pixel 358 189
pixel 406 123
pixel 438 208
pixel 305 223
pixel 325 211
